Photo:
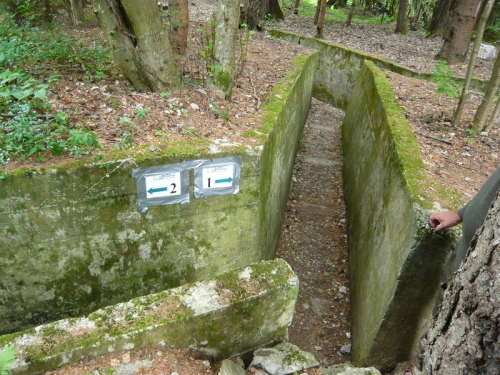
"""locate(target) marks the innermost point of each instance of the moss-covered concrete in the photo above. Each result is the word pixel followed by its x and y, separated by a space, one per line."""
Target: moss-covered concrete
pixel 72 239
pixel 225 316
pixel 338 68
pixel 395 259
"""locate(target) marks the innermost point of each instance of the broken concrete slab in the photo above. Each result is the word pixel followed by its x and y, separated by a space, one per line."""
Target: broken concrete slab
pixel 235 312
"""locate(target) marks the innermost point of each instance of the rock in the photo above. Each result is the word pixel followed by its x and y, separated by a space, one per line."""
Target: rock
pixel 487 52
pixel 284 358
pixel 195 106
pixel 468 179
pixel 346 349
pixel 230 368
pixel 239 361
pixel 346 369
pixel 343 289
pixel 268 359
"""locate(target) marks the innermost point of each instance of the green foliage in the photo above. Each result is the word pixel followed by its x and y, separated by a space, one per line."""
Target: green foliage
pixel 244 37
pixel 7 358
pixel 29 63
pixel 444 77
pixel 214 108
pixel 207 51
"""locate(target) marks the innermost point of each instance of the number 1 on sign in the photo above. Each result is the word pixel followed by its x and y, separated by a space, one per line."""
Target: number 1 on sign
pixel 218 177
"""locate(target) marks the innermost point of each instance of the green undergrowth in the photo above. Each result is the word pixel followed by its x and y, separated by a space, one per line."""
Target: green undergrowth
pixel 31 60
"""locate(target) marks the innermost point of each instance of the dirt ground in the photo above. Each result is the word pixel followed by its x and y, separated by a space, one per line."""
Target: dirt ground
pixel 313 237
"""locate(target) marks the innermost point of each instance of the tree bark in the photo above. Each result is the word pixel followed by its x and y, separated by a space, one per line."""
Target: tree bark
pixel 493 117
pixel 226 35
pixel 316 15
pixel 139 42
pixel 472 62
pixel 321 19
pixel 179 22
pixel 401 24
pixel 464 337
pixel 441 17
pixel 351 13
pixel 75 10
pixel 48 11
pixel 485 106
pixel 457 39
pixel 296 7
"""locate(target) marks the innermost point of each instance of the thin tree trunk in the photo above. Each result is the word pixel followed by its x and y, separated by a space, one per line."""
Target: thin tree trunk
pixel 179 21
pixel 401 25
pixel 464 337
pixel 318 10
pixel 472 61
pixel 457 39
pixel 135 33
pixel 296 7
pixel 485 106
pixel 226 31
pixel 493 117
pixel 74 8
pixel 351 13
pixel 321 19
pixel 48 11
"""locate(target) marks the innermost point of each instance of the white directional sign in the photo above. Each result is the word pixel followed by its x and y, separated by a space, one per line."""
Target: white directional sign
pixel 217 177
pixel 163 185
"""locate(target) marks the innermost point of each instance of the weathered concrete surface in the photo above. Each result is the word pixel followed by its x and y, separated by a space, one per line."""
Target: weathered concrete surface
pixel 228 315
pixel 396 259
pixel 72 240
pixel 338 68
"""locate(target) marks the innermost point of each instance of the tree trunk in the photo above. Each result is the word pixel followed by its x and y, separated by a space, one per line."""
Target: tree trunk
pixel 321 19
pixel 296 7
pixel 401 25
pixel 472 62
pixel 318 10
pixel 139 42
pixel 179 22
pixel 48 11
pixel 75 10
pixel 485 106
pixel 441 17
pixel 251 13
pixel 493 117
pixel 457 39
pixel 270 9
pixel 226 35
pixel 351 13
pixel 464 337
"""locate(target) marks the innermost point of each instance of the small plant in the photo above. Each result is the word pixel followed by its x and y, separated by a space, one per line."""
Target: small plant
pixel 217 111
pixel 184 113
pixel 142 112
pixel 159 133
pixel 444 77
pixel 471 141
pixel 207 51
pixel 127 137
pixel 7 358
pixel 470 131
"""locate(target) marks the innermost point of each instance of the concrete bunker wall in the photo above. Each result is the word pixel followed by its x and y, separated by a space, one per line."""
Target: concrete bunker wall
pixel 73 241
pixel 395 259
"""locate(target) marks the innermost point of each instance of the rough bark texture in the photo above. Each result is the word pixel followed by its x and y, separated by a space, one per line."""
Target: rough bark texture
pixel 464 338
pixel 321 19
pixel 316 15
pixel 401 25
pixel 75 10
pixel 484 108
pixel 351 13
pixel 457 39
pixel 256 10
pixel 139 42
pixel 179 21
pixel 226 31
pixel 441 17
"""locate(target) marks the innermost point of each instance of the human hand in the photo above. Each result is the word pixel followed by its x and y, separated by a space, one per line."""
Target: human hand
pixel 444 219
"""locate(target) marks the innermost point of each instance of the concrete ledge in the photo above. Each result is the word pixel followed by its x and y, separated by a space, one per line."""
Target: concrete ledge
pixel 228 315
pixel 395 259
pixel 338 68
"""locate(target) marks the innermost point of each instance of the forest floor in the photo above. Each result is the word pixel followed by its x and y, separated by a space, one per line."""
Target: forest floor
pixel 451 155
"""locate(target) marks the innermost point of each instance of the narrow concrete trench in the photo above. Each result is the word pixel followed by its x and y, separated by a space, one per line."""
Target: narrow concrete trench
pixel 314 240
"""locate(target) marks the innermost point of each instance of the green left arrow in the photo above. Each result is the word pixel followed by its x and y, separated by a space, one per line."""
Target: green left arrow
pixel 157 190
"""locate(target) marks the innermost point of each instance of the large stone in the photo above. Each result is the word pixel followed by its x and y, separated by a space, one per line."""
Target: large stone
pixel 487 52
pixel 347 369
pixel 228 367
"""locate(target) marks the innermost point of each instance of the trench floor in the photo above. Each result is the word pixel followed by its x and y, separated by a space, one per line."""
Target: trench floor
pixel 314 240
